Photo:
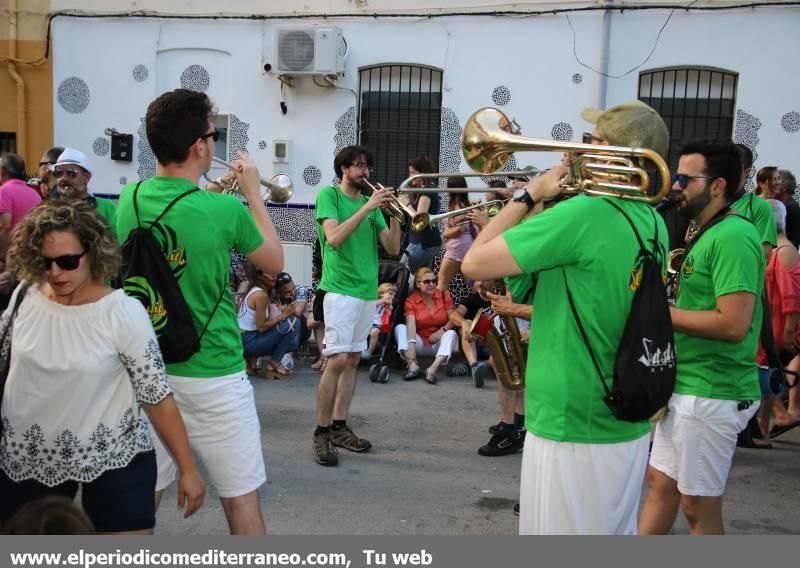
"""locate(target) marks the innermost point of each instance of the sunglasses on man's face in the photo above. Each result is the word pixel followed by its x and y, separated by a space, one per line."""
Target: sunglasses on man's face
pixel 589 138
pixel 72 174
pixel 214 135
pixel 64 262
pixel 683 179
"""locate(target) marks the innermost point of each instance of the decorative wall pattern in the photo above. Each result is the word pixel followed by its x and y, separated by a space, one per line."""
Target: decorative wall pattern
pixel 577 78
pixel 790 121
pixel 195 78
pixel 101 146
pixel 262 144
pixel 746 133
pixel 123 180
pixel 501 95
pixel 346 133
pixel 449 144
pixel 237 136
pixel 140 73
pixel 294 224
pixel 312 175
pixel 147 160
pixel 562 131
pixel 73 95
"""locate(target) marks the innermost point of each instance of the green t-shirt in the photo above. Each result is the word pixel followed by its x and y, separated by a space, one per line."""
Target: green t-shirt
pixel 108 210
pixel 593 244
pixel 728 258
pixel 352 268
pixel 197 235
pixel 760 213
pixel 522 287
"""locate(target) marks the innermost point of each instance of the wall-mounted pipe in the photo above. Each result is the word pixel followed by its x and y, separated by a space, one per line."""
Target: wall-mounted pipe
pixel 22 138
pixel 605 40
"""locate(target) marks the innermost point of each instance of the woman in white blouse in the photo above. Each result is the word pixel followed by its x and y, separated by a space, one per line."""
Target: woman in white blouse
pixel 84 366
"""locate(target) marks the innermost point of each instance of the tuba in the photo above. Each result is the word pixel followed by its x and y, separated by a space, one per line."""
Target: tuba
pixel 505 344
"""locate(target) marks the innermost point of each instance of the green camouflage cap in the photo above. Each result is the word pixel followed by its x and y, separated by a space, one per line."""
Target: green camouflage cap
pixel 633 124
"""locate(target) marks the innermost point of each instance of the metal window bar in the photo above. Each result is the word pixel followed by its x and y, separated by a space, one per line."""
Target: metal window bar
pixel 699 103
pixel 8 142
pixel 399 117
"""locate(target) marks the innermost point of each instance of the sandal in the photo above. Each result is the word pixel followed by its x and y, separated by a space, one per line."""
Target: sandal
pixel 430 377
pixel 412 374
pixel 280 372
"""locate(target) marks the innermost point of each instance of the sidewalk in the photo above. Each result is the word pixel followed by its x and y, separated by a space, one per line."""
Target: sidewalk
pixel 424 475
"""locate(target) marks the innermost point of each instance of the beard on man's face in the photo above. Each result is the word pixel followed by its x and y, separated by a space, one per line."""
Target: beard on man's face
pixel 693 206
pixel 68 189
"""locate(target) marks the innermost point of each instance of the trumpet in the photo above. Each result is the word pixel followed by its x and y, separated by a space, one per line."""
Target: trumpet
pixel 421 221
pixel 616 171
pixel 279 189
pixel 394 207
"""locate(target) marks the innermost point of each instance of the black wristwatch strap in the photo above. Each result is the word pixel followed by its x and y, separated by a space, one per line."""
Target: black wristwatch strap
pixel 526 198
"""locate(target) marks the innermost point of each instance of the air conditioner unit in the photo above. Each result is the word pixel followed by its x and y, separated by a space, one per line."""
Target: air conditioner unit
pixel 309 50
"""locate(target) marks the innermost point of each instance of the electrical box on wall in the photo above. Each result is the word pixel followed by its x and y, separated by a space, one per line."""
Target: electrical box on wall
pixel 281 155
pixel 122 147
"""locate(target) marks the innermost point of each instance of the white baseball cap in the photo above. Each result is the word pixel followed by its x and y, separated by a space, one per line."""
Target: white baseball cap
pixel 73 156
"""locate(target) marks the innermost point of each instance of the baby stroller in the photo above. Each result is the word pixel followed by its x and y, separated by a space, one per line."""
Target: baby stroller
pixel 394 272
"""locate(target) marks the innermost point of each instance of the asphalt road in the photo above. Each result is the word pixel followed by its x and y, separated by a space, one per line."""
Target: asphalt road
pixel 424 476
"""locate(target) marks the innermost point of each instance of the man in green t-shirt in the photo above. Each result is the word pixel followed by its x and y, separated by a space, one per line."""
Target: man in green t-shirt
pixel 754 207
pixel 349 228
pixel 582 468
pixel 717 319
pixel 72 172
pixel 197 234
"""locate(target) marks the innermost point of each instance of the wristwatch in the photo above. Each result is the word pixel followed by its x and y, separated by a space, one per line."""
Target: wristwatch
pixel 522 196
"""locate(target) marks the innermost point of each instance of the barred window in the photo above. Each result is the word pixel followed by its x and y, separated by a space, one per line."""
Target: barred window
pixel 399 118
pixel 8 142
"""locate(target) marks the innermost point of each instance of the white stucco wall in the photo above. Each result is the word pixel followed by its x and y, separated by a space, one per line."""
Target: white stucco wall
pixel 533 57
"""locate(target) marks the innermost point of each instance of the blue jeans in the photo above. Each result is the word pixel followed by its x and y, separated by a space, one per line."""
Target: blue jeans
pixel 419 257
pixel 276 342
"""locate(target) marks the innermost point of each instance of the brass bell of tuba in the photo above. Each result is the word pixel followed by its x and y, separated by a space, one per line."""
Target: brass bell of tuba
pixel 505 343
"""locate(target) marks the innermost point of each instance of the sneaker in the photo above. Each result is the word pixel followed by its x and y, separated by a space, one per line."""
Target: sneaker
pixel 345 438
pixel 459 369
pixel 503 444
pixel 288 362
pixel 324 452
pixel 515 508
pixel 500 427
pixel 478 371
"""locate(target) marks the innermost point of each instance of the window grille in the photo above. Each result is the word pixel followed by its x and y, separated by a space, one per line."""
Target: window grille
pixel 8 142
pixel 399 117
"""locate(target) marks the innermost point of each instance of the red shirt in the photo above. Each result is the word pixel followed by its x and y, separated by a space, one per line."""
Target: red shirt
pixel 428 322
pixel 783 290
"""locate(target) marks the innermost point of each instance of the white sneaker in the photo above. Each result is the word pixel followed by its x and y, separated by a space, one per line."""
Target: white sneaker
pixel 288 362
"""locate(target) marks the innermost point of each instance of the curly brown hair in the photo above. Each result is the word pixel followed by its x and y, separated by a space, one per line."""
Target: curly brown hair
pixel 74 216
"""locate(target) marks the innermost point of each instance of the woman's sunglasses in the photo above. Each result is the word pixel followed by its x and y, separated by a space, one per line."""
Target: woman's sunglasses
pixel 65 262
pixel 428 282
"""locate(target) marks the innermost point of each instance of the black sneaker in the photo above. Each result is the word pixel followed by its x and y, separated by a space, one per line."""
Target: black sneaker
pixel 478 374
pixel 345 438
pixel 503 444
pixel 500 427
pixel 324 452
pixel 515 508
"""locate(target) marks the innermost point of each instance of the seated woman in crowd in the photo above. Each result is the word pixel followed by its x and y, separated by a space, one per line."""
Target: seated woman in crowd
pixel 85 366
pixel 264 326
pixel 428 330
pixel 457 235
pixel 286 293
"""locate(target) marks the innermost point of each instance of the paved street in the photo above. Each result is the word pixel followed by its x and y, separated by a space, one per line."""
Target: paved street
pixel 424 475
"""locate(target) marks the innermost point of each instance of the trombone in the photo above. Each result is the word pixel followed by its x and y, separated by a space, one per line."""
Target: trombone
pixel 279 189
pixel 617 171
pixel 404 187
pixel 422 221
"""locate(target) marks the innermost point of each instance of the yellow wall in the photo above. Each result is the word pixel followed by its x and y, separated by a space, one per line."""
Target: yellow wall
pixel 38 79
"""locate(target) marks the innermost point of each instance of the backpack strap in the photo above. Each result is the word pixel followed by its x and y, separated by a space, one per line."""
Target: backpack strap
pixel 584 335
pixel 656 246
pixel 164 212
pixel 214 311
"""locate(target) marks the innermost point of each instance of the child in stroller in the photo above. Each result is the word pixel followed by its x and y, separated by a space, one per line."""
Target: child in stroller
pixel 393 275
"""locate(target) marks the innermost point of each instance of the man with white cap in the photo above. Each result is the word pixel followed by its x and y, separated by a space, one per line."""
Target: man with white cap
pixel 582 468
pixel 72 172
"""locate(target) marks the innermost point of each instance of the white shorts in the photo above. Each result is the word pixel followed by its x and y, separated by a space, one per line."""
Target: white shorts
pixel 223 428
pixel 695 441
pixel 347 323
pixel 570 488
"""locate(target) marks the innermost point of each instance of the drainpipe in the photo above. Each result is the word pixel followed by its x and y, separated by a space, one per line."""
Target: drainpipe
pixel 22 138
pixel 605 39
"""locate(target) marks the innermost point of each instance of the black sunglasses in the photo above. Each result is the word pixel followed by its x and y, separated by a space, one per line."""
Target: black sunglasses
pixel 214 135
pixel 589 138
pixel 683 179
pixel 72 174
pixel 429 281
pixel 65 262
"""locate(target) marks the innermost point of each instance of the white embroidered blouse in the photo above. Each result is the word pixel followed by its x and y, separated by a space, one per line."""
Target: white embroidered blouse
pixel 78 374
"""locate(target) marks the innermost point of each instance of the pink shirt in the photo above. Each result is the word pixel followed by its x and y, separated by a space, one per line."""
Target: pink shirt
pixel 17 198
pixel 783 290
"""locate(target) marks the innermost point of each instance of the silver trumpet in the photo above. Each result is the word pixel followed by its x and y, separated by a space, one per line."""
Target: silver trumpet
pixel 279 189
